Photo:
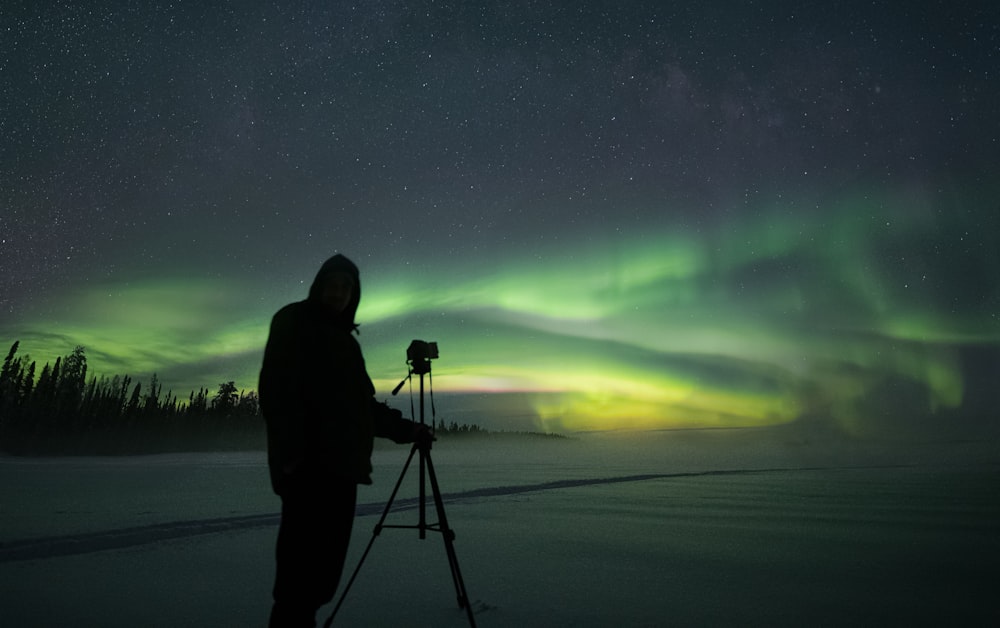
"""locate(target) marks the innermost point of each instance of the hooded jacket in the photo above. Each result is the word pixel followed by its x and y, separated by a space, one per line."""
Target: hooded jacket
pixel 317 398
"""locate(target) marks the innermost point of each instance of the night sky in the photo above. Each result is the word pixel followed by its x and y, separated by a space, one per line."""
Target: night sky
pixel 607 214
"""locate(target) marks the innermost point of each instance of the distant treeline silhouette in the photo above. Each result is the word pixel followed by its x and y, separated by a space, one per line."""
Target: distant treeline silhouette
pixel 60 412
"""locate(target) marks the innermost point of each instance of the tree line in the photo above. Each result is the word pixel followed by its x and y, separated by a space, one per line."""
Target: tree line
pixel 58 410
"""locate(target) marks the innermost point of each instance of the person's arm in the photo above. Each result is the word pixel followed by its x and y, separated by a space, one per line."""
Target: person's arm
pixel 281 396
pixel 389 423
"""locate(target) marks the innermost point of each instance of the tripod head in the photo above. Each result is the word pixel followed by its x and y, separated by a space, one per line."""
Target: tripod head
pixel 419 355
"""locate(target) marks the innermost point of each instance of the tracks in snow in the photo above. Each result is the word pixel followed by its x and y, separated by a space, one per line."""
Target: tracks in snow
pixel 66 545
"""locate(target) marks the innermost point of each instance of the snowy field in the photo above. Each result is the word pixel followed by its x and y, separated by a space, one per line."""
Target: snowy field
pixel 724 528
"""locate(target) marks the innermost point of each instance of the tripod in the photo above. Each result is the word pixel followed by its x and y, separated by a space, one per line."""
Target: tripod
pixel 421 446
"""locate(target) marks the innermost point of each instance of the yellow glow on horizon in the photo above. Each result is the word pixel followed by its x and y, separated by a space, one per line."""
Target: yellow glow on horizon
pixel 699 408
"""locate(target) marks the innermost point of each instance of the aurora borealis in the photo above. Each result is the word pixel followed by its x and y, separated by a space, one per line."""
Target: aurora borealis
pixel 607 216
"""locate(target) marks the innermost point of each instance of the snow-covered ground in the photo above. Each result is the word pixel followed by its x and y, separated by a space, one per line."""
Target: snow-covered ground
pixel 661 529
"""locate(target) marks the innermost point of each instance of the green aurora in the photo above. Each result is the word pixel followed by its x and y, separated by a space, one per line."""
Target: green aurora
pixel 761 321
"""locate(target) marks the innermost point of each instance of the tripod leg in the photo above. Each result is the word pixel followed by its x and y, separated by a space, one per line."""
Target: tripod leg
pixel 449 538
pixel 371 541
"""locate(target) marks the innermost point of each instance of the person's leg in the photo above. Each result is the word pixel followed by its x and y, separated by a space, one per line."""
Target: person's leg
pixel 333 537
pixel 313 538
pixel 293 564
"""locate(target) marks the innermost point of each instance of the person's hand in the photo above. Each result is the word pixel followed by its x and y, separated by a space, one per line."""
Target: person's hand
pixel 422 434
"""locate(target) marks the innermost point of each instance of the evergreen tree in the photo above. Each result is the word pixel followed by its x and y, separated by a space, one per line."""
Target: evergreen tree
pixel 8 386
pixel 198 404
pixel 27 384
pixel 225 400
pixel 152 402
pixel 74 373
pixel 41 396
pixel 9 366
pixel 135 401
pixel 249 405
pixel 69 388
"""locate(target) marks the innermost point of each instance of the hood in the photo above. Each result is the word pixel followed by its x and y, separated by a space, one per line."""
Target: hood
pixel 339 263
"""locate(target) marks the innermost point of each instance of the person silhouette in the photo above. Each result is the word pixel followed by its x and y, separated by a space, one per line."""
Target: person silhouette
pixel 321 415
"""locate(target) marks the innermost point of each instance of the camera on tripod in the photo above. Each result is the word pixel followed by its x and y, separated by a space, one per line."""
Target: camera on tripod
pixel 419 354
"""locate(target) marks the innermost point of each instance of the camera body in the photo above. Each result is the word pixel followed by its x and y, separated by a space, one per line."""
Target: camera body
pixel 420 351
